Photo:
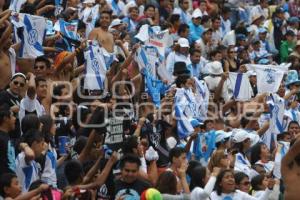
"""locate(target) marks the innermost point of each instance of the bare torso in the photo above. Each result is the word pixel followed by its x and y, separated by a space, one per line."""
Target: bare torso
pixel 104 38
pixel 292 182
pixel 5 69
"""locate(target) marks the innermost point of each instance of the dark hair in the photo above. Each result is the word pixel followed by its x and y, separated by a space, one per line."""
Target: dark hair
pixel 5 181
pixel 182 28
pixel 193 51
pixel 218 187
pixel 43 59
pixel 30 122
pixel 239 176
pixel 281 135
pixel 130 158
pixel 28 8
pixel 197 178
pixel 80 144
pixel 192 165
pixel 129 144
pixel 213 53
pixel 149 6
pixel 4 113
pixel 176 152
pixel 256 182
pixel 109 12
pixel 215 18
pixel 167 183
pixel 181 79
pixel 38 80
pixel 33 136
pixel 73 171
pixel 47 122
pixel 255 153
pixel 292 122
pixel 205 19
pixel 174 18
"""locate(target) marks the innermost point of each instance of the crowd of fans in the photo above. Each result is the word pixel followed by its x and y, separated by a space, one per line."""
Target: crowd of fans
pixel 146 99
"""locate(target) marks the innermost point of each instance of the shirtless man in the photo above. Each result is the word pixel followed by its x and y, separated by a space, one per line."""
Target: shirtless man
pixel 7 63
pixel 101 33
pixel 290 170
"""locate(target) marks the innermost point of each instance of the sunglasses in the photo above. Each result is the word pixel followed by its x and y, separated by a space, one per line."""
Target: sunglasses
pixel 232 51
pixel 246 183
pixel 39 67
pixel 19 83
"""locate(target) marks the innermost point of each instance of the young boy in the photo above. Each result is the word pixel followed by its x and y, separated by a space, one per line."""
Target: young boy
pixel 27 169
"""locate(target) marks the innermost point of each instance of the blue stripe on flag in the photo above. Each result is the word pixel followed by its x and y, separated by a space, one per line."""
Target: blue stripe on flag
pixel 97 73
pixel 237 86
pixel 29 28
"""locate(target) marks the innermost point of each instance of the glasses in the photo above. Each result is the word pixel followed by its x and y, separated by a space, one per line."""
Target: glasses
pixel 246 183
pixel 19 83
pixel 39 67
pixel 232 51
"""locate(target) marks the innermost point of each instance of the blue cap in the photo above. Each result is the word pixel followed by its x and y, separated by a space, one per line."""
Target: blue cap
pixel 264 61
pixel 241 37
pixel 262 30
pixel 195 123
pixel 293 20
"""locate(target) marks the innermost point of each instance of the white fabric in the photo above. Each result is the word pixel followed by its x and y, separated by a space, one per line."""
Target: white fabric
pixel 26 172
pixel 32 34
pixel 174 57
pixel 203 194
pixel 281 147
pixel 13 60
pixel 30 105
pixel 95 67
pixel 49 172
pixel 243 88
pixel 269 77
pixel 242 164
pixel 15 5
pixel 269 166
pixel 202 98
pixel 239 195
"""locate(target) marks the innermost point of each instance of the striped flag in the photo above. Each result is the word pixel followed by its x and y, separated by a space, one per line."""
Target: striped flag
pixel 95 68
pixel 30 30
pixel 240 85
pixel 67 29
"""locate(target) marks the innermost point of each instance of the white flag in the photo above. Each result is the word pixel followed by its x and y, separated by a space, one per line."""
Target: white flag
pixel 240 86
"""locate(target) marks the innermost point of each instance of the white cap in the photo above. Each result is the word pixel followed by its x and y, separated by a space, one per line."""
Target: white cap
pixel 215 68
pixel 183 42
pixel 115 22
pixel 130 4
pixel 221 135
pixel 176 11
pixel 240 136
pixel 89 1
pixel 197 13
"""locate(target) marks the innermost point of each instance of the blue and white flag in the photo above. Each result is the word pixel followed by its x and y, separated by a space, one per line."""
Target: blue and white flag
pixel 202 98
pixel 153 36
pixel 184 127
pixel 269 77
pixel 67 29
pixel 31 35
pixel 148 58
pixel 96 69
pixel 154 88
pixel 15 5
pixel 59 7
pixel 240 85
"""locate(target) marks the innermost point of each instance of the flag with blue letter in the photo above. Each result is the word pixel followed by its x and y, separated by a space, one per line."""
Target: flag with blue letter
pixel 30 31
pixel 95 67
pixel 240 86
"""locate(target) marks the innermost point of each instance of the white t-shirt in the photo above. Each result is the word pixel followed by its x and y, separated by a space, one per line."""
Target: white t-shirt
pixel 27 173
pixel 239 195
pixel 203 194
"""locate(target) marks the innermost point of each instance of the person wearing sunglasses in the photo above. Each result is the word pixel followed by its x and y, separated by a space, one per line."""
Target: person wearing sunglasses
pixel 11 98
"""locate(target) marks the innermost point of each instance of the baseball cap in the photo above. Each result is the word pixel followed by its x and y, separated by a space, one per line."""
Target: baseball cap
pixel 183 42
pixel 240 136
pixel 195 123
pixel 196 14
pixel 221 135
pixel 115 22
